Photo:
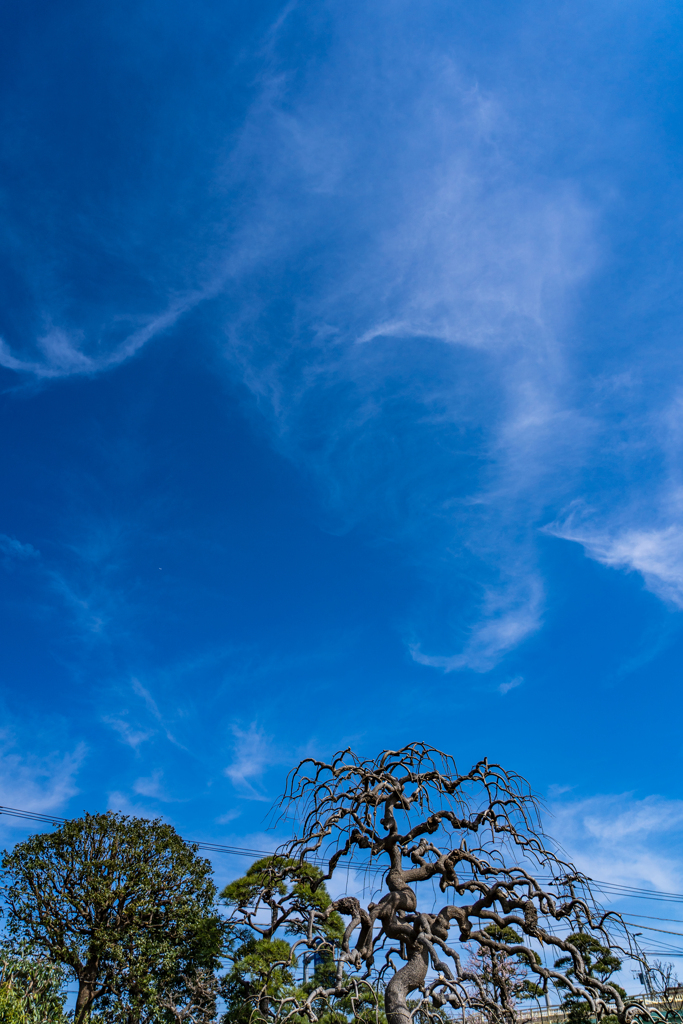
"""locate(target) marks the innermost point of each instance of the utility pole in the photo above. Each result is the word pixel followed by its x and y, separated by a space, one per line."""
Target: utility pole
pixel 644 975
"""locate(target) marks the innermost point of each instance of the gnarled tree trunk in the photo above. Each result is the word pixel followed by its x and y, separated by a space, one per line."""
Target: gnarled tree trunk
pixel 403 983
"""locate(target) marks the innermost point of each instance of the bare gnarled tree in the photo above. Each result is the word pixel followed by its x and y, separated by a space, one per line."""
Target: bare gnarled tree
pixel 193 999
pixel 408 817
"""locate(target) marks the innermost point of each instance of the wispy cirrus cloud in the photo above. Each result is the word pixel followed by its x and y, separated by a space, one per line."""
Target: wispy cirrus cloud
pixel 623 838
pixel 253 754
pixel 153 786
pixel 414 368
pixel 510 684
pixel 508 614
pixel 121 802
pixel 13 548
pixel 153 708
pixel 420 375
pixel 656 552
pixel 128 725
pixel 34 782
pixel 77 577
pixel 130 734
pixel 397 285
pixel 64 354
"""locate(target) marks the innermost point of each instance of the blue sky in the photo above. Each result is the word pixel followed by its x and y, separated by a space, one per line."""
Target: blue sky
pixel 341 403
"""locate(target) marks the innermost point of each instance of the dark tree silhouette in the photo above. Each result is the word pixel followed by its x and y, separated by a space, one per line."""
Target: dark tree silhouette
pixel 410 820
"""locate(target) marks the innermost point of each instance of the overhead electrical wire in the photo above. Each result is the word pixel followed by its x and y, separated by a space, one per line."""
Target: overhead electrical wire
pixel 609 888
pixel 651 928
pixel 54 819
pixel 646 916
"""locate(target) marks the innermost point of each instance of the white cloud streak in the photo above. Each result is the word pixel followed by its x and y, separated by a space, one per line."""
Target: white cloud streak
pixel 252 755
pixel 153 708
pixel 624 839
pixel 131 735
pixel 14 548
pixel 153 786
pixel 450 245
pixel 63 352
pixel 400 286
pixel 38 783
pixel 123 804
pixel 511 684
pixel 655 553
pixel 80 585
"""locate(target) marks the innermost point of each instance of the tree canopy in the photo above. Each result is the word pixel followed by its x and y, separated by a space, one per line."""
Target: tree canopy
pixel 31 988
pixel 460 903
pixel 276 894
pixel 124 904
pixel 599 962
pixel 414 824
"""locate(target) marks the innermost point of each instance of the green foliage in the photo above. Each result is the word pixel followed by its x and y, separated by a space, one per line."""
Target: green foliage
pixel 30 989
pixel 600 962
pixel 504 974
pixel 260 972
pixel 11 1005
pixel 288 889
pixel 275 897
pixel 124 904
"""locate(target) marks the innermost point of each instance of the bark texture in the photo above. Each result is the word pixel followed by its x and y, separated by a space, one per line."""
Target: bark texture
pixel 84 999
pixel 405 981
pixel 411 821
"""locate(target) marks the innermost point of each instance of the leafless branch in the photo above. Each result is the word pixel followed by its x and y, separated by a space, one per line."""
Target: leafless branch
pixel 410 814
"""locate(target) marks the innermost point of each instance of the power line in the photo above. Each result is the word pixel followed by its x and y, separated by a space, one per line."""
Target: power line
pixel 645 916
pixel 16 812
pixel 54 819
pixel 610 888
pixel 651 928
pixel 641 893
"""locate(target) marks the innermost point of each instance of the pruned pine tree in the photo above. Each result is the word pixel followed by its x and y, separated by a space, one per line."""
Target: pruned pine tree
pixel 599 962
pixel 270 911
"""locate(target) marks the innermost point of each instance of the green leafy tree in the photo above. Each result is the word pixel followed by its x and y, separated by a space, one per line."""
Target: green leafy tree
pixel 11 1005
pixel 600 962
pixel 362 1005
pixel 124 904
pixel 31 989
pixel 261 971
pixel 273 899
